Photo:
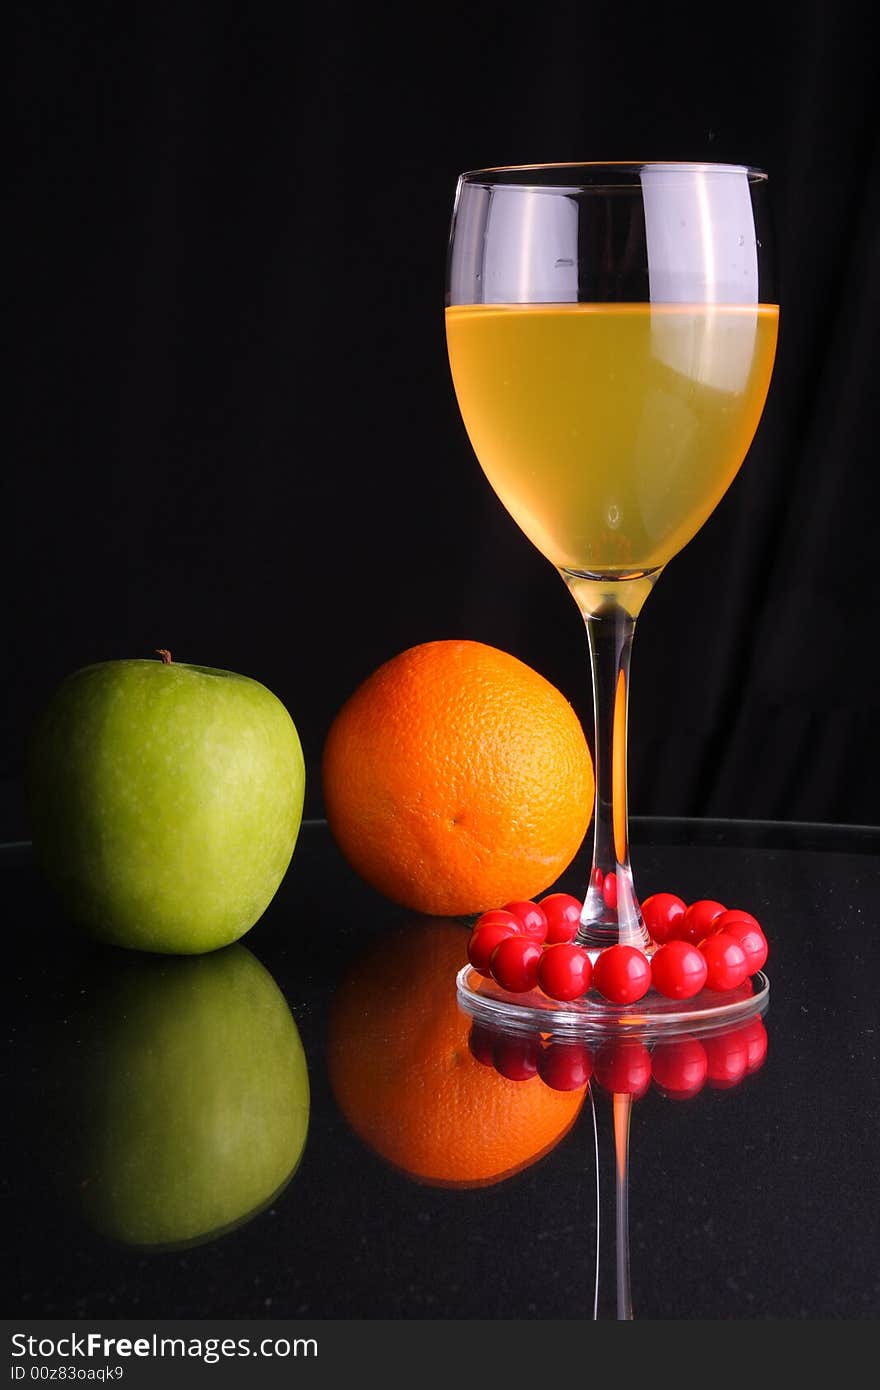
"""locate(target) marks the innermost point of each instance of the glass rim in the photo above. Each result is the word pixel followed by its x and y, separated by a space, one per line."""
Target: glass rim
pixel 589 174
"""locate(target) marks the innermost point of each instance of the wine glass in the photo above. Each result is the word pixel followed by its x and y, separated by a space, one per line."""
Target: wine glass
pixel 611 332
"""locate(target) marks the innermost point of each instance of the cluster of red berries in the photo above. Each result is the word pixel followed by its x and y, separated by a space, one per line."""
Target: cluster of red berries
pixel 527 945
pixel 680 1067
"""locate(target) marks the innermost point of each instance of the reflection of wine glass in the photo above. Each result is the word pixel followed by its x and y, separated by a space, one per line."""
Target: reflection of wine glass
pixel 611 333
pixel 680 1067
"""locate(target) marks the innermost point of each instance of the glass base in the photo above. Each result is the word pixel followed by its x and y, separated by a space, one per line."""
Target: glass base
pixel 653 1016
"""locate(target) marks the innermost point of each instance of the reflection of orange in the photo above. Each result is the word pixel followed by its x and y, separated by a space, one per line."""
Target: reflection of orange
pixel 407 1083
pixel 456 779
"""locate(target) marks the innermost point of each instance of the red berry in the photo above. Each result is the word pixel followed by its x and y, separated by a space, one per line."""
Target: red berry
pixel 734 914
pixel 515 964
pixel 678 970
pixel 680 1067
pixel 622 974
pixel 726 962
pixel 744 929
pixel 532 920
pixel 484 939
pixel 661 911
pixel 565 1066
pixel 728 1058
pixel 598 877
pixel 563 913
pixel 498 914
pixel 516 1058
pixel 623 1066
pixel 565 971
pixel 609 890
pixel 697 920
pixel 481 1042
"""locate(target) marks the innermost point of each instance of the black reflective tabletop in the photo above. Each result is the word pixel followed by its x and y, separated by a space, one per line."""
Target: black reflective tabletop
pixel 303 1125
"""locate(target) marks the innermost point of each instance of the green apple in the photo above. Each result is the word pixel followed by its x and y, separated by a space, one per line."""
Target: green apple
pixel 191 1097
pixel 166 801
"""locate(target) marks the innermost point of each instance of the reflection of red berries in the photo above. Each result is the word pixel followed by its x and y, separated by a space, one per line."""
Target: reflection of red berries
pixel 565 971
pixel 532 920
pixel 609 890
pixel 728 1058
pixel 755 1037
pixel 678 970
pixel 515 964
pixel 622 974
pixel 726 962
pixel 623 1066
pixel 660 912
pixel 484 939
pixel 697 920
pixel 563 913
pixel 516 1058
pixel 566 1066
pixel 679 1067
pixel 481 1042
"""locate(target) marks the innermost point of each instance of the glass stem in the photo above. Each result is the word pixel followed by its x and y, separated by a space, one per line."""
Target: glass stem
pixel 622 1110
pixel 611 912
pixel 613 1295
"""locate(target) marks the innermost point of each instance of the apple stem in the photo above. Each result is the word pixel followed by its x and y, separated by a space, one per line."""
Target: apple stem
pixel 165 655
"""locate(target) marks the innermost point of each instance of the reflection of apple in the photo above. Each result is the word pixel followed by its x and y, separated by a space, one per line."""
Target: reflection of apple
pixel 191 1096
pixel 166 801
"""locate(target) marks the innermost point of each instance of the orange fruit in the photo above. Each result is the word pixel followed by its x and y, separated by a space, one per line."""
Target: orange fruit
pixel 456 779
pixel 404 1077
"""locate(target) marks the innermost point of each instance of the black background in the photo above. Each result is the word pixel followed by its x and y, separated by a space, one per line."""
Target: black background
pixel 233 430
